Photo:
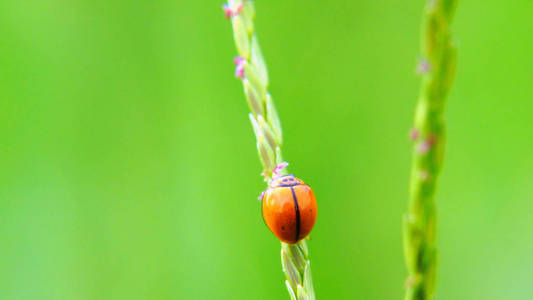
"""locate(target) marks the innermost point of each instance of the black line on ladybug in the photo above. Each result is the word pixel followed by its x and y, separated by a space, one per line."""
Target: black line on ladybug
pixel 297 208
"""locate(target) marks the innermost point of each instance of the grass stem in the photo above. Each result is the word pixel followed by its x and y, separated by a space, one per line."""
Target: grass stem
pixel 251 69
pixel 437 68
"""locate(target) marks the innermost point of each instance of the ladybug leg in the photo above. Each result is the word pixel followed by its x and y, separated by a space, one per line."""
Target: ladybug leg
pixel 261 196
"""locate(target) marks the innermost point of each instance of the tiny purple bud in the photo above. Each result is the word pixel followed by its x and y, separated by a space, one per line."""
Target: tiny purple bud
pixel 238 60
pixel 427 144
pixel 239 69
pixel 423 66
pixel 279 167
pixel 237 10
pixel 414 134
pixel 261 196
pixel 227 11
pixel 424 147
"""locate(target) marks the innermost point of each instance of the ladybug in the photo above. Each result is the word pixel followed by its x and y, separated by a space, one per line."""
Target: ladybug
pixel 289 208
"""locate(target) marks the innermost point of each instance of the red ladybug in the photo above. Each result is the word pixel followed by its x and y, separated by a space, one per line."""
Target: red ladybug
pixel 289 208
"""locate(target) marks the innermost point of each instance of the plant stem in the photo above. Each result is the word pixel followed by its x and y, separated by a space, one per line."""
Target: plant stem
pixel 437 67
pixel 251 68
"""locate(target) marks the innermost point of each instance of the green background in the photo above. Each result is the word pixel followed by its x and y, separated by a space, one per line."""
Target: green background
pixel 128 167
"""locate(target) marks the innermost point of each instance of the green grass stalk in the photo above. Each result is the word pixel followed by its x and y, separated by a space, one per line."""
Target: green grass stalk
pixel 251 68
pixel 437 68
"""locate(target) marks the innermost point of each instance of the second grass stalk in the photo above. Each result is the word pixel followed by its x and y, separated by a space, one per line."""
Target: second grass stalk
pixel 437 68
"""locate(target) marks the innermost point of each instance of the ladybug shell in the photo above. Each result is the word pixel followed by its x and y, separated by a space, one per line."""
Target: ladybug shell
pixel 289 209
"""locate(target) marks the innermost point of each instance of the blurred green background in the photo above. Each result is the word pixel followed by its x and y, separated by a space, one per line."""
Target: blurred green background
pixel 129 169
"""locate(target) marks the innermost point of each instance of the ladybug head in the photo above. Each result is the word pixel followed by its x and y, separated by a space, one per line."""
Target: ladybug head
pixel 286 181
